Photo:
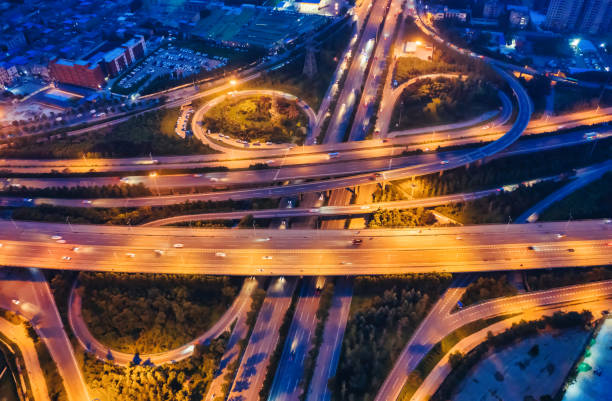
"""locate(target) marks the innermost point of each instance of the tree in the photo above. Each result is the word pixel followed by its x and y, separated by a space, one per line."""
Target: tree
pixel 454 359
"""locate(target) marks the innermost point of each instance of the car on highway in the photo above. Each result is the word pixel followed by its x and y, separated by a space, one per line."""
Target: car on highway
pixel 220 254
pixel 130 255
pixel 56 237
pixel 86 202
pixel 159 252
pixel 444 162
pixel 66 258
pixel 357 241
pixel 178 245
pixel 266 257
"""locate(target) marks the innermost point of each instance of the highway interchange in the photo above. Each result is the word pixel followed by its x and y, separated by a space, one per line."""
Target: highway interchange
pixel 290 254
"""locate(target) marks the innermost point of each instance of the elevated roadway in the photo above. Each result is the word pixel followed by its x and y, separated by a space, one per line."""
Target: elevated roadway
pixel 305 252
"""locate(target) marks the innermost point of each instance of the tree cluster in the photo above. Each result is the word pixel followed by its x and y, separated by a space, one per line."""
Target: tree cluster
pixel 152 313
pixel 590 202
pixel 514 169
pixel 389 310
pixel 443 100
pixel 77 192
pixel 119 216
pixel 543 280
pixel 258 118
pixel 389 218
pixel 186 380
pixel 487 288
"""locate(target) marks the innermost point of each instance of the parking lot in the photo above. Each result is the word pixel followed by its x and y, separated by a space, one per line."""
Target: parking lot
pixel 182 127
pixel 174 61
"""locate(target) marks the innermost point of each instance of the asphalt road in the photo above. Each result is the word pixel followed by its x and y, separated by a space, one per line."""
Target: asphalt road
pixel 290 369
pixel 367 102
pixel 263 340
pixel 18 335
pixel 349 94
pixel 333 333
pixel 305 252
pixel 36 304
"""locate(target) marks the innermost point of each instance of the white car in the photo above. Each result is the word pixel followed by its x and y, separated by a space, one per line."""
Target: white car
pixel 130 255
pixel 266 257
pixel 66 258
pixel 159 252
pixel 56 237
pixel 178 245
pixel 220 254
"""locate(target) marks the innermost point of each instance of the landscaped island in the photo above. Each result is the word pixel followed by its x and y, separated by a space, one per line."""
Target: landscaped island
pixel 258 119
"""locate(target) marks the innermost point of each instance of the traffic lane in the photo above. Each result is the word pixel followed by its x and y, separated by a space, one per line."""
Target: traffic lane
pixel 375 160
pixel 306 262
pixel 270 238
pixel 491 234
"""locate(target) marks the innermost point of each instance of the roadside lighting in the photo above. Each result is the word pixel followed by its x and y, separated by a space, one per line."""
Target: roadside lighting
pixel 233 82
pixel 153 174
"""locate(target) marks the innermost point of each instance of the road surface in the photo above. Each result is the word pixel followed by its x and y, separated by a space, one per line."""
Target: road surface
pixel 305 252
pixel 333 333
pixel 290 369
pixel 18 335
pixel 254 363
pixel 37 305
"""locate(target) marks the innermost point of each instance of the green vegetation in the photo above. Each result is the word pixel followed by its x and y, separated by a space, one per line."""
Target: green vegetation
pixel 104 191
pixel 495 208
pixel 443 61
pixel 443 101
pixel 589 202
pixel 487 288
pixel 185 380
pixel 517 332
pixel 151 133
pixel 122 216
pixel 325 302
pixel 538 88
pixel 538 280
pixel 502 171
pixel 148 313
pixel 258 118
pixel 437 352
pixel 389 218
pixel 501 207
pixel 384 313
pixel 569 97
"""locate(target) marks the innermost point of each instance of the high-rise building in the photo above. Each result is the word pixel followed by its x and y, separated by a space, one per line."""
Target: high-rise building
pixel 596 17
pixel 562 15
pixel 493 9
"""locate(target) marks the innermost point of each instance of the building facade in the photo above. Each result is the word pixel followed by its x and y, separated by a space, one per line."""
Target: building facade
pixel 562 15
pixel 80 73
